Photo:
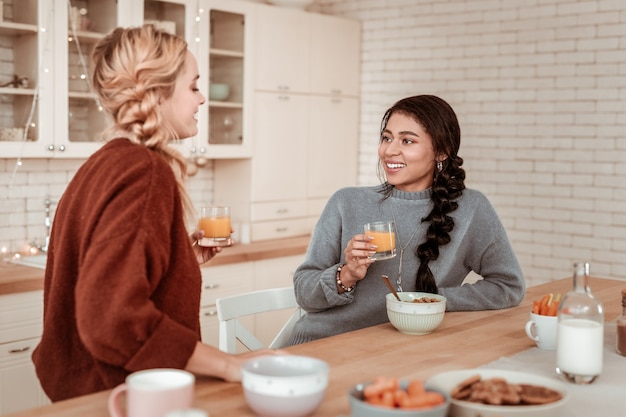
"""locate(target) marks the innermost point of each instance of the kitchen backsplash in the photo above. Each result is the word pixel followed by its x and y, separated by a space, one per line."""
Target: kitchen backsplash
pixel 25 185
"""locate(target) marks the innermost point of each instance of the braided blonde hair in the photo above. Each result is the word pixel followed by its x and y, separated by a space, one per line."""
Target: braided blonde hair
pixel 134 69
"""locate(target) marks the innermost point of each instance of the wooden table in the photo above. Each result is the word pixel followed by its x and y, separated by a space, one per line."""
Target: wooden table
pixel 464 340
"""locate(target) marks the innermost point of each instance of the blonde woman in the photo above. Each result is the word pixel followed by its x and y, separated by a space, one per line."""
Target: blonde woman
pixel 122 283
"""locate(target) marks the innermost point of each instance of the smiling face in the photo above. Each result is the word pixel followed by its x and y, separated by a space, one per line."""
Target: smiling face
pixel 180 110
pixel 406 153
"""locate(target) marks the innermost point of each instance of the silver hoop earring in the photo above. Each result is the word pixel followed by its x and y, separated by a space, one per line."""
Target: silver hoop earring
pixel 439 166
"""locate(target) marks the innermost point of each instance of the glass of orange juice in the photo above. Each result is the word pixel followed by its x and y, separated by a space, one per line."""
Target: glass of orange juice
pixel 215 223
pixel 384 234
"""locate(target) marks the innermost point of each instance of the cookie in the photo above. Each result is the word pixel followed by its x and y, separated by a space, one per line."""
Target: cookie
pixel 536 395
pixel 464 388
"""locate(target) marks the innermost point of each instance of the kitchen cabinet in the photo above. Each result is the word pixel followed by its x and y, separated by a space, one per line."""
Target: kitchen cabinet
pixel 282 49
pixel 222 281
pixel 49 109
pixel 335 55
pixel 273 273
pixel 20 329
pixel 306 123
pixel 225 280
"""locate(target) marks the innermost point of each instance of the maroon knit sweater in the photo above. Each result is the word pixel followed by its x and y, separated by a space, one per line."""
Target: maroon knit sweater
pixel 122 284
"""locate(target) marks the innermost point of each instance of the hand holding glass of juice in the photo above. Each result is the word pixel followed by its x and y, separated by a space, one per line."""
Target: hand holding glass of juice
pixel 384 234
pixel 215 223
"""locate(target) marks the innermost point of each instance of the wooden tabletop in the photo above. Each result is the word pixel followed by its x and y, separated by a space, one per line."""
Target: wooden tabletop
pixel 464 340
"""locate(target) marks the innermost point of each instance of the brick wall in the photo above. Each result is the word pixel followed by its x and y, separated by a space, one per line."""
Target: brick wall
pixel 540 90
pixel 24 188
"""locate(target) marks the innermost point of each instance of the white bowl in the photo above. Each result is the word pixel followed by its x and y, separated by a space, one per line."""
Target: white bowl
pixel 360 408
pixel 415 318
pixel 218 91
pixel 294 4
pixel 284 385
pixel 448 380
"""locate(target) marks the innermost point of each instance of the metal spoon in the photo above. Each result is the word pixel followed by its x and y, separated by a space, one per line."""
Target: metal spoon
pixel 390 286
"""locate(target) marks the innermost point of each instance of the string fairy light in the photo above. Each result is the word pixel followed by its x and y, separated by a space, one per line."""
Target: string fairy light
pixel 37 91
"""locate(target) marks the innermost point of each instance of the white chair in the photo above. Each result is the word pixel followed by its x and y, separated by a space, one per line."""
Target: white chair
pixel 230 309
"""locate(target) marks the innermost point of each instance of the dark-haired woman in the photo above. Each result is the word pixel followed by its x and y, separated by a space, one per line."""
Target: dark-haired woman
pixel 444 231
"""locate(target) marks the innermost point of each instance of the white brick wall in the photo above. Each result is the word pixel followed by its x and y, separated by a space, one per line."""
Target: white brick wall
pixel 23 191
pixel 540 91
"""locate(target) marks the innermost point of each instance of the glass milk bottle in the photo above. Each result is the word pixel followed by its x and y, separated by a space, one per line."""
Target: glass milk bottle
pixel 580 336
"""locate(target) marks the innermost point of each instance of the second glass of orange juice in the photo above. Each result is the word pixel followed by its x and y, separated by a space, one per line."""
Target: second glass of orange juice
pixel 384 234
pixel 215 223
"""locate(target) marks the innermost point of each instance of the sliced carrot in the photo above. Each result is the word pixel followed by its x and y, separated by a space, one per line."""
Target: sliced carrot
pixel 545 304
pixel 428 399
pixel 400 396
pixel 415 388
pixel 536 306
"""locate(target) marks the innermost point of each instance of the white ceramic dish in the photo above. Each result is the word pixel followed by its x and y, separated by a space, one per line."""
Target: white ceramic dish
pixel 284 385
pixel 448 380
pixel 415 318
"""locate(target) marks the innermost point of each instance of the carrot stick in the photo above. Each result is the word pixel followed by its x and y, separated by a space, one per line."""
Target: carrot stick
pixel 544 305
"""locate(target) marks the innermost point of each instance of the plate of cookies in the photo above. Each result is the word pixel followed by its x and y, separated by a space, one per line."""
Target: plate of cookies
pixel 493 392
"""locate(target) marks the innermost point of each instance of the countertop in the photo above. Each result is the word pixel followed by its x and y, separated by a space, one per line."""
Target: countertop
pixel 16 278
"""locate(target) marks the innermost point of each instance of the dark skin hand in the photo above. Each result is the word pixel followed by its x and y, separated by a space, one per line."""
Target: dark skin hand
pixel 357 255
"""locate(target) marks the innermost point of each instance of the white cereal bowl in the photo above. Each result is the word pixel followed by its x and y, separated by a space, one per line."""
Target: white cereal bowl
pixel 447 381
pixel 415 318
pixel 284 385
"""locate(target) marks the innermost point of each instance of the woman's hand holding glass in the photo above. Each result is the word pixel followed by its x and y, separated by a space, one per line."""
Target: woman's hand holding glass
pixel 203 253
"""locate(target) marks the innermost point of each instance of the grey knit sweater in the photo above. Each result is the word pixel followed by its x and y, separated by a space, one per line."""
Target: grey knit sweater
pixel 478 243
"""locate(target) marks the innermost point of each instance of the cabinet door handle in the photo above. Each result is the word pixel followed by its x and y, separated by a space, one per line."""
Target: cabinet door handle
pixel 210 313
pixel 61 148
pixel 211 286
pixel 282 211
pixel 283 98
pixel 282 229
pixel 20 350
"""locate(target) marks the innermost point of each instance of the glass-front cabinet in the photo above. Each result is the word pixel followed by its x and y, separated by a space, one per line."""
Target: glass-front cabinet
pixel 225 40
pixel 87 22
pixel 23 43
pixel 48 106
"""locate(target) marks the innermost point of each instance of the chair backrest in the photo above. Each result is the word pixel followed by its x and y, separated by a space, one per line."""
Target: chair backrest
pixel 231 308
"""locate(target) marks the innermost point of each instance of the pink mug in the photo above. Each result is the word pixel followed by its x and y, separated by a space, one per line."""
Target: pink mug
pixel 153 393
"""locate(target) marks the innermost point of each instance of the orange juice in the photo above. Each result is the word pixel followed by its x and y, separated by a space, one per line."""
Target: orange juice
pixel 386 241
pixel 215 226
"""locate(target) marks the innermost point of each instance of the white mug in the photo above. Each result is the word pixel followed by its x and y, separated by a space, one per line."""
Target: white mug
pixel 542 329
pixel 153 393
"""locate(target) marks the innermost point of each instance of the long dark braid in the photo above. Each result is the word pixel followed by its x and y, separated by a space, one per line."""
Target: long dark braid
pixel 438 119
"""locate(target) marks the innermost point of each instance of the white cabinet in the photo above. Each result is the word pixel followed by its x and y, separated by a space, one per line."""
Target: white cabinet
pixel 273 273
pixel 50 110
pixel 224 280
pixel 332 145
pixel 282 49
pixel 335 56
pixel 21 318
pixel 306 125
